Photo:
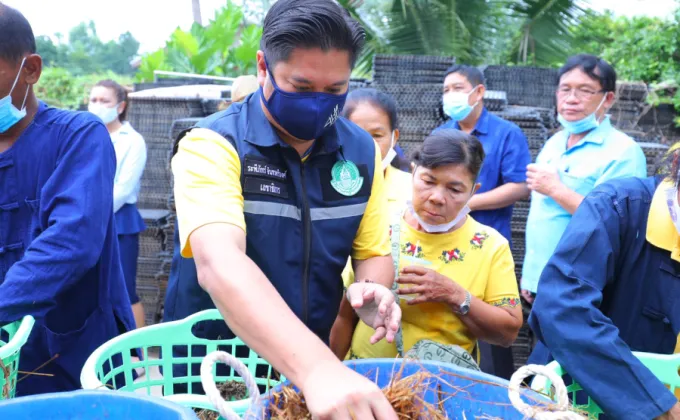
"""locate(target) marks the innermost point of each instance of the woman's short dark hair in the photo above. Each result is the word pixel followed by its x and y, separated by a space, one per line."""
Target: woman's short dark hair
pixel 595 67
pixel 324 24
pixel 376 98
pixel 451 147
pixel 121 95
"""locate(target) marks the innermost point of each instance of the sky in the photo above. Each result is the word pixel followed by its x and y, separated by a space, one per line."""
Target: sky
pixel 143 17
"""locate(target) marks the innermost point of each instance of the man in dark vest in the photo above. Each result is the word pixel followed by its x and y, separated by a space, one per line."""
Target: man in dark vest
pixel 273 195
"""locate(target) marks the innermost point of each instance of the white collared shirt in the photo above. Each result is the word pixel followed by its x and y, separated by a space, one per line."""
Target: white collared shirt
pixel 131 159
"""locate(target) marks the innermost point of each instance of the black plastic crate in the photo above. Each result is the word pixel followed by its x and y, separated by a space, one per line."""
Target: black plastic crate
pixel 180 125
pixel 632 91
pixel 413 97
pixel 153 117
pixel 530 86
pixel 495 100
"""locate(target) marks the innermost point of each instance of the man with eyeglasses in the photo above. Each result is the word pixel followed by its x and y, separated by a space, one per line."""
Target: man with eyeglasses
pixel 586 153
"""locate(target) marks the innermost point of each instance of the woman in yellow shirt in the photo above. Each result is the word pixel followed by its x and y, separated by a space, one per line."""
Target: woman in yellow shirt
pixel 456 276
pixel 376 113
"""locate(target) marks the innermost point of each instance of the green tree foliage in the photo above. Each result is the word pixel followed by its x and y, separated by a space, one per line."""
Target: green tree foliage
pixel 225 47
pixel 85 53
pixel 640 49
pixel 62 89
pixel 534 32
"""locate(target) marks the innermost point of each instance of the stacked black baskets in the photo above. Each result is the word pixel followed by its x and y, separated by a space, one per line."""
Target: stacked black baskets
pixel 152 118
pixel 415 82
pixel 529 86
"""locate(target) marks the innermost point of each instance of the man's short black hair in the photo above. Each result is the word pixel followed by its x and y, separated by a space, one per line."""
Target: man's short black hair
pixel 595 67
pixel 471 73
pixel 324 24
pixel 16 35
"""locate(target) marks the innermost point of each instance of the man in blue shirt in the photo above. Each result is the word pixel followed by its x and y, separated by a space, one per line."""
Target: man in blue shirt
pixel 503 174
pixel 59 259
pixel 613 287
pixel 586 153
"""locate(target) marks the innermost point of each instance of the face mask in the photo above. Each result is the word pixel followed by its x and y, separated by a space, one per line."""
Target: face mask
pixel 106 114
pixel 456 105
pixel 391 154
pixel 673 206
pixel 445 227
pixel 304 115
pixel 581 126
pixel 9 114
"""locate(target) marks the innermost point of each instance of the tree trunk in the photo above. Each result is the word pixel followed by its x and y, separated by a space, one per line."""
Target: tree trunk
pixel 196 8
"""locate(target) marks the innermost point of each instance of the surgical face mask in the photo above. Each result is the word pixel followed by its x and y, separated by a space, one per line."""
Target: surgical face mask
pixel 444 227
pixel 106 114
pixel 456 105
pixel 9 114
pixel 673 206
pixel 304 115
pixel 581 126
pixel 391 154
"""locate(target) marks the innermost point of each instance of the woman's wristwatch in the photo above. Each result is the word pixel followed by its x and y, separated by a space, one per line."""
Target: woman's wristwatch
pixel 464 307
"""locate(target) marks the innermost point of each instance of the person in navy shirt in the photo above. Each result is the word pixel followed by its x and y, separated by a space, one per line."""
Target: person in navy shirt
pixel 59 259
pixel 503 174
pixel 612 287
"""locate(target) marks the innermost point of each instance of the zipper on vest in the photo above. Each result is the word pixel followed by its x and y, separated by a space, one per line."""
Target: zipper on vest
pixel 307 246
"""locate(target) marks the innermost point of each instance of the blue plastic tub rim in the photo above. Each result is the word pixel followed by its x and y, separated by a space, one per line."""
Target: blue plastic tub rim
pixel 93 405
pixel 489 385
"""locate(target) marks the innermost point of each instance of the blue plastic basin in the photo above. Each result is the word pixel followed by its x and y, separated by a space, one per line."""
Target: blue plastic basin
pixel 474 398
pixel 93 405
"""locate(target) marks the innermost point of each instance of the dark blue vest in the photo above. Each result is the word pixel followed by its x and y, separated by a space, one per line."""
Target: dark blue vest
pixel 300 230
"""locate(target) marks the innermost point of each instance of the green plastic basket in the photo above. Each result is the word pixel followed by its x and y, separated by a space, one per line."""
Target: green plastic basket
pixel 666 367
pixel 12 338
pixel 99 371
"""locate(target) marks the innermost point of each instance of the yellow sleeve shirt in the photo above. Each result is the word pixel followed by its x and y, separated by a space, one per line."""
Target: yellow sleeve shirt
pixel 372 239
pixel 207 188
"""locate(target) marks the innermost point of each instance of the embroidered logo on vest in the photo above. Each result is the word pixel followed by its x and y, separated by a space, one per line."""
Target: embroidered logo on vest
pixel 346 178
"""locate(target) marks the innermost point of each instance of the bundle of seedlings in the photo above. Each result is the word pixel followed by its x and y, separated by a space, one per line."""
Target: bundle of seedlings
pixel 230 391
pixel 405 394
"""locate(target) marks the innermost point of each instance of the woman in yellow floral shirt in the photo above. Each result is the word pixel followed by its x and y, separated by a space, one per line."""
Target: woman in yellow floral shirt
pixel 456 276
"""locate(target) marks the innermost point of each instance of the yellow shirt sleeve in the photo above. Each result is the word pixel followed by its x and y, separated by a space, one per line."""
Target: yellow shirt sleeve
pixel 501 288
pixel 207 171
pixel 348 274
pixel 372 239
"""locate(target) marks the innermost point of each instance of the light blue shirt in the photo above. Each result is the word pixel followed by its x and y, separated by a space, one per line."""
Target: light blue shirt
pixel 604 154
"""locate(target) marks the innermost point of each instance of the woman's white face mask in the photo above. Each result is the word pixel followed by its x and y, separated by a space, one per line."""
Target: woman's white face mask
pixel 391 154
pixel 435 192
pixel 441 228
